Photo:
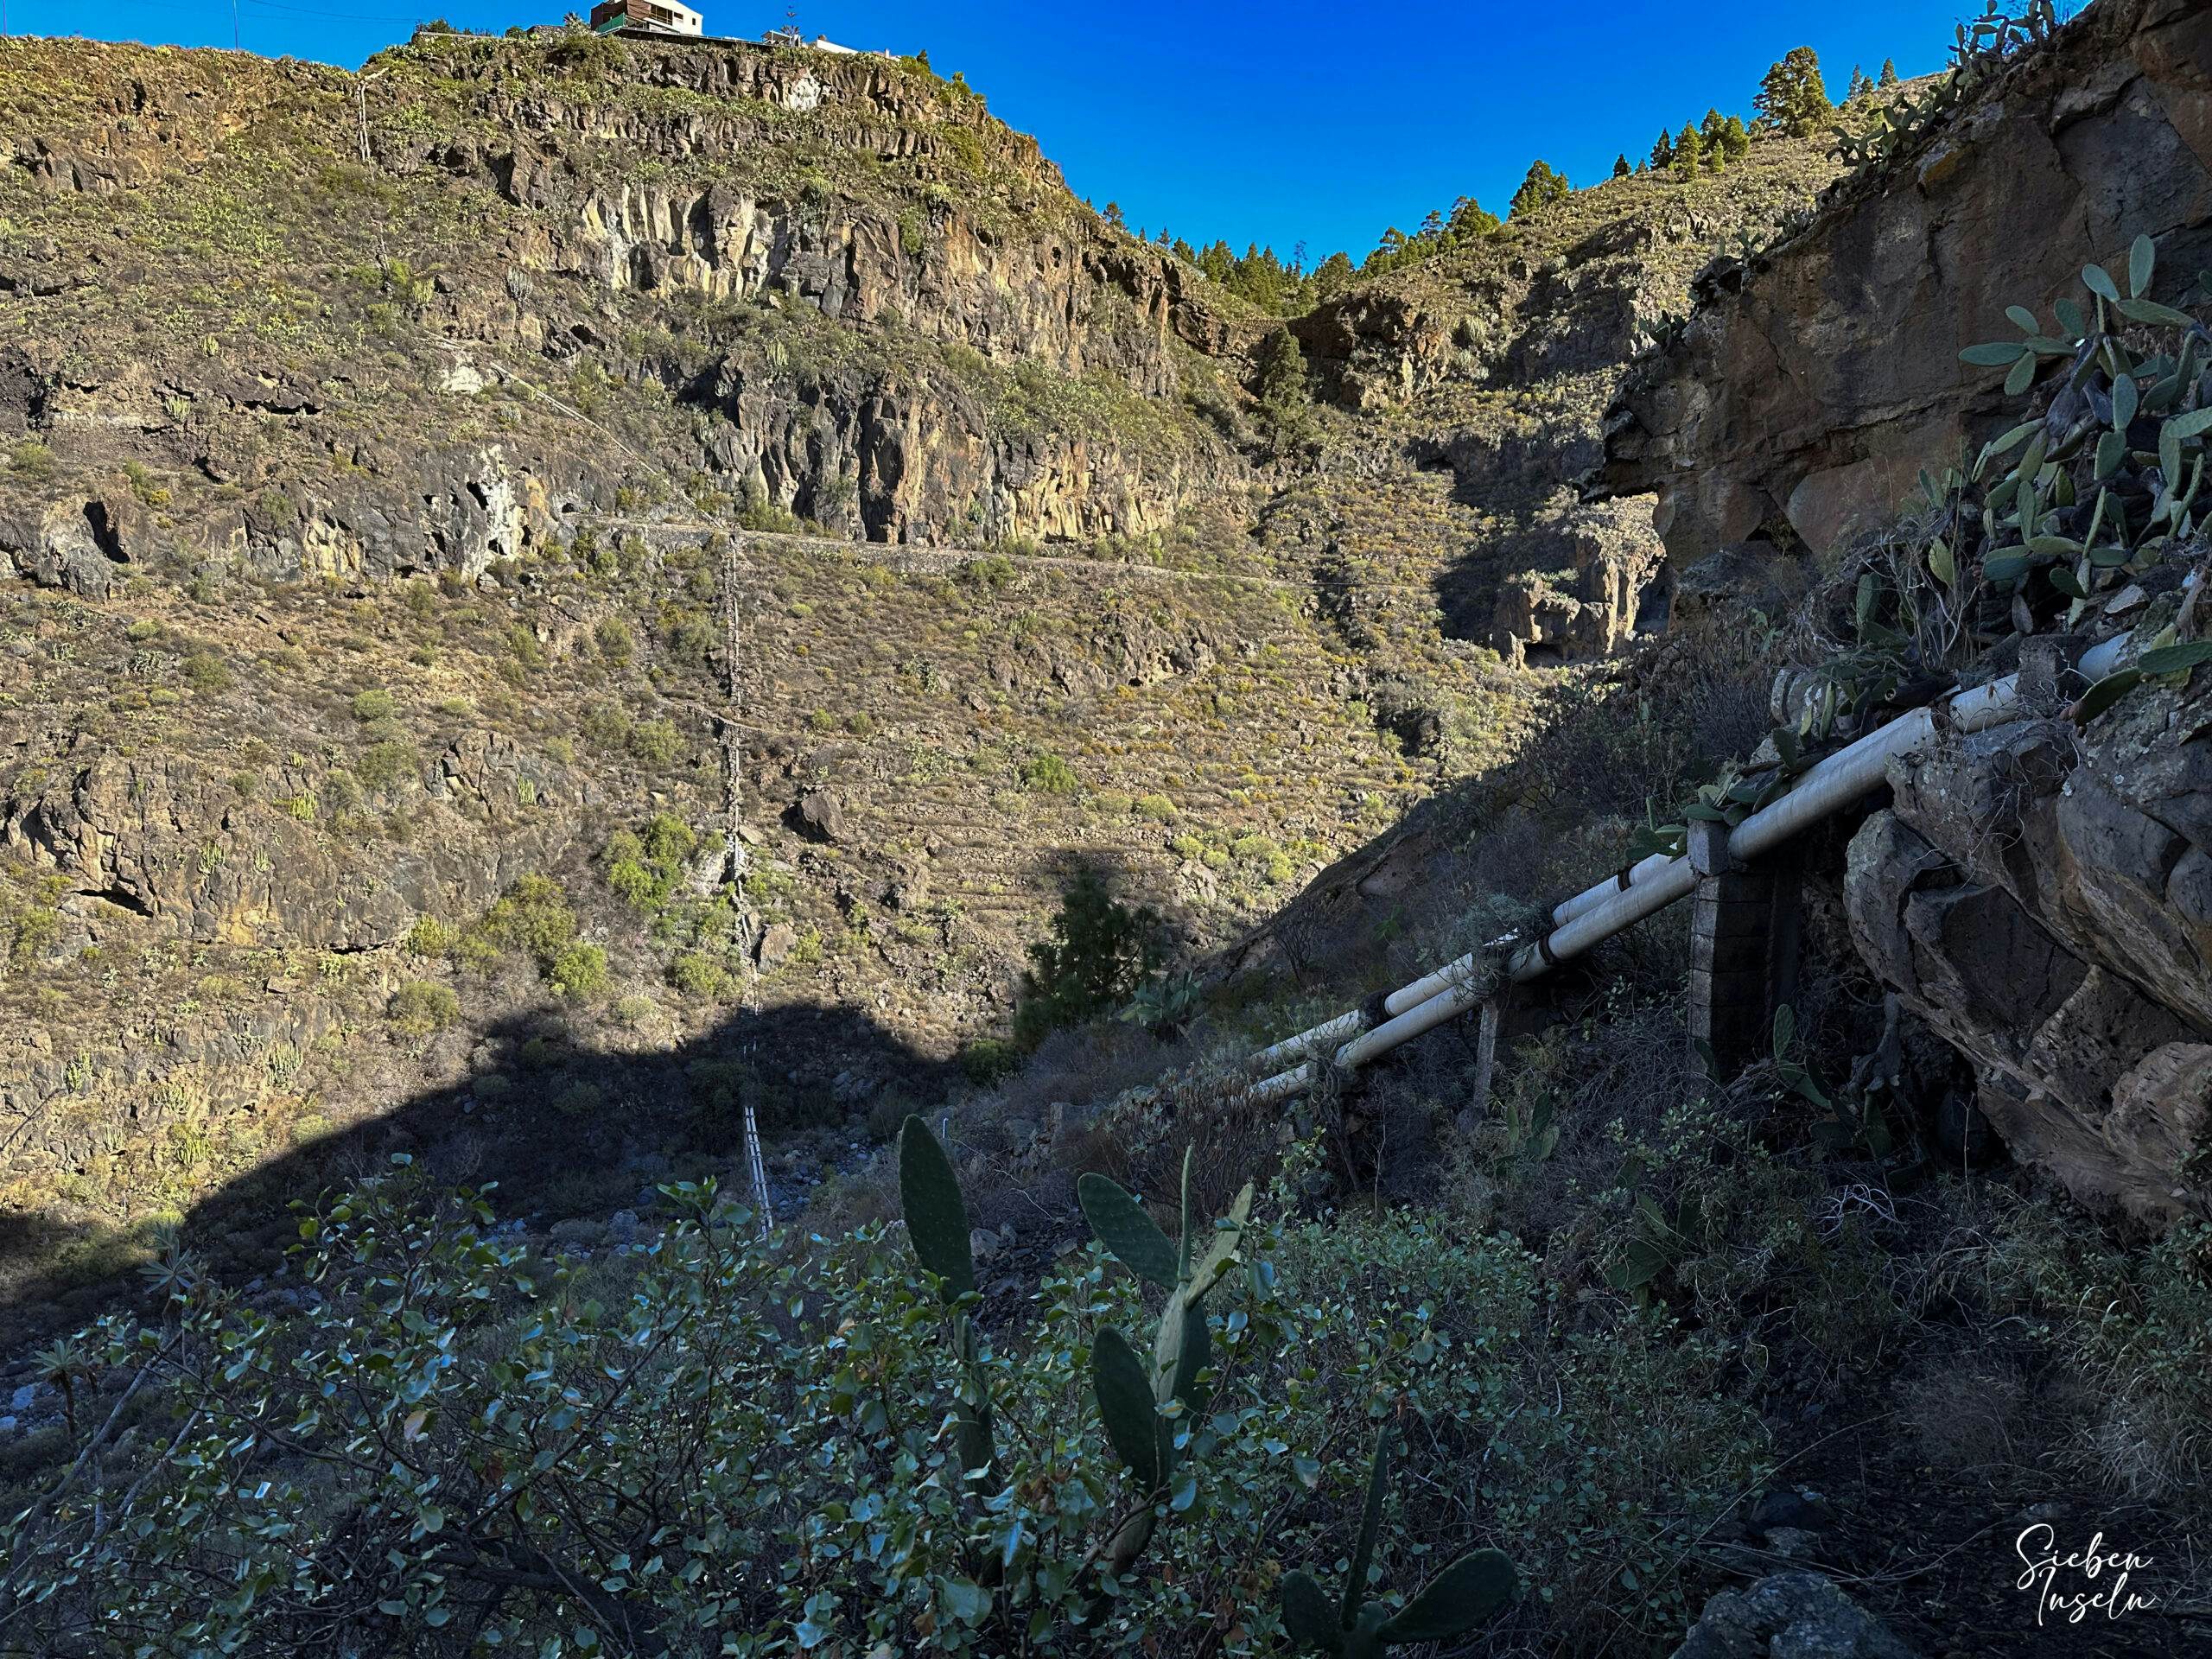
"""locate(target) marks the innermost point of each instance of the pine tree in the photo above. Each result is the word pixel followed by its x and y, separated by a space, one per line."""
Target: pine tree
pixel 1662 154
pixel 1332 275
pixel 1469 220
pixel 1114 216
pixel 1889 72
pixel 1711 147
pixel 1686 152
pixel 1540 189
pixel 1282 370
pixel 1735 138
pixel 1792 98
pixel 1620 166
pixel 1859 85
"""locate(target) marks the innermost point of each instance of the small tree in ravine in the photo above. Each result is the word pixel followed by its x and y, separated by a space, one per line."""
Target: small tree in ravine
pixel 1540 189
pixel 1689 152
pixel 1889 73
pixel 1286 405
pixel 1100 951
pixel 1793 99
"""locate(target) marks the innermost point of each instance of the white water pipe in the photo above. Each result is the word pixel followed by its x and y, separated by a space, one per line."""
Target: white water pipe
pixel 1613 905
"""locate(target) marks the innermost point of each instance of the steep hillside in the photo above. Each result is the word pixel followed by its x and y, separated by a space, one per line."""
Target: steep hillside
pixel 379 450
pixel 1480 376
pixel 564 595
pixel 388 456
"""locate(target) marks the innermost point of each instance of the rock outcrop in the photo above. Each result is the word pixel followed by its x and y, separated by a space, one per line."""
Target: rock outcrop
pixel 2043 901
pixel 1596 581
pixel 1789 1616
pixel 1810 388
pixel 834 287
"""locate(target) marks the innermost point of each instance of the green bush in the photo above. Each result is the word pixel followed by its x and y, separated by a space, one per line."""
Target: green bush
pixel 696 974
pixel 607 726
pixel 1099 951
pixel 615 642
pixel 32 460
pixel 657 743
pixel 990 1060
pixel 206 671
pixel 788 1405
pixel 386 764
pixel 534 917
pixel 375 703
pixel 579 971
pixel 1048 774
pixel 422 1005
pixel 431 937
pixel 578 1099
pixel 2137 1326
pixel 646 867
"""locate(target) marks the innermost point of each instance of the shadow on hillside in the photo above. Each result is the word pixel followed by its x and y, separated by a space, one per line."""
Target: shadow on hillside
pixel 571 1117
pixel 563 1126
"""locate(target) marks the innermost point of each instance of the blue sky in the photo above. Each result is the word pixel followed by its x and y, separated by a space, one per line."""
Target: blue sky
pixel 1277 123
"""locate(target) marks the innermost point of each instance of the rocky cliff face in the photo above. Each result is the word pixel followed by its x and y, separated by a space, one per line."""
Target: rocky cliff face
pixel 843 289
pixel 2036 894
pixel 1812 385
pixel 1492 364
pixel 372 454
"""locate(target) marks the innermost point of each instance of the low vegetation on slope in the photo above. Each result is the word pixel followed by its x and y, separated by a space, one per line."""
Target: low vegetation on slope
pixel 522 1376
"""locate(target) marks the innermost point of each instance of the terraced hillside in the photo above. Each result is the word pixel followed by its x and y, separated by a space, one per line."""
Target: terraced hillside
pixel 385 455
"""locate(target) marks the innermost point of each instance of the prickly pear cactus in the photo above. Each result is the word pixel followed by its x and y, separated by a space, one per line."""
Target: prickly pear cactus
pixel 936 1225
pixel 1131 1399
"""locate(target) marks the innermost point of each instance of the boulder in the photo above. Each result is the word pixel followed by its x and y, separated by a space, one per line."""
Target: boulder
pixel 2042 899
pixel 1789 1616
pixel 819 816
pixel 777 940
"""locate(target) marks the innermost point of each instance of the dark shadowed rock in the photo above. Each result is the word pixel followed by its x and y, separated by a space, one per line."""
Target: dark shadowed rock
pixel 2039 898
pixel 1789 1616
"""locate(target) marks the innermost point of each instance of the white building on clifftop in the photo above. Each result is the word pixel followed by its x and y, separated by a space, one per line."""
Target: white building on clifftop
pixel 652 16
